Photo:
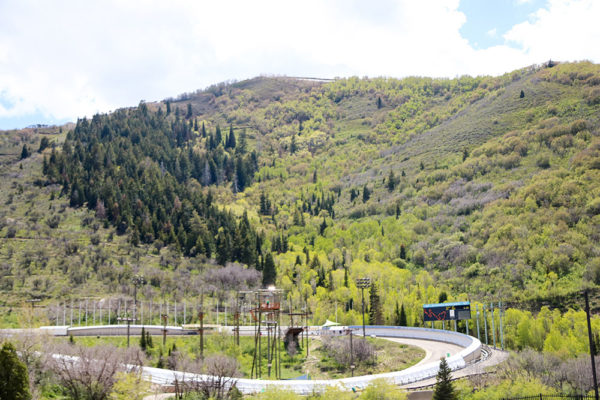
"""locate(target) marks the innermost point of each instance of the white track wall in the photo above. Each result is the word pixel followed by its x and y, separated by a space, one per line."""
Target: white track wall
pixel 471 352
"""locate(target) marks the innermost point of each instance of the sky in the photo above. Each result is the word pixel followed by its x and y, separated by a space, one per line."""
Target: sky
pixel 65 59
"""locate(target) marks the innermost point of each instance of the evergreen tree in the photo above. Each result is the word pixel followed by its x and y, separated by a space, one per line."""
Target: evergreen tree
pixel 375 310
pixel 168 107
pixel 243 144
pixel 44 143
pixel 379 103
pixel 143 342
pixel 189 111
pixel 391 183
pixel 149 342
pixel 314 179
pixel 323 227
pixel 444 390
pixel 24 152
pixel 293 146
pixel 230 143
pixel 402 252
pixel 402 316
pixel 366 194
pixel 522 94
pixel 14 380
pixel 203 130
pixel 465 154
pixel 353 194
pixel 345 276
pixel 269 272
pixel 223 247
pixel 218 136
pixel 442 297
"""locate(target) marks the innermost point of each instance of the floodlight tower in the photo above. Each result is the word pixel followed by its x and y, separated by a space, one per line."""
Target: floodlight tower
pixel 363 283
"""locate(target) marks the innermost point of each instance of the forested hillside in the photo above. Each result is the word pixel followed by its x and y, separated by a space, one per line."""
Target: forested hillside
pixel 481 188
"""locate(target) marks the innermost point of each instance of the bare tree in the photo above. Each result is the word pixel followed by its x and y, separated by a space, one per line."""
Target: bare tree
pixel 339 349
pixel 90 372
pixel 213 378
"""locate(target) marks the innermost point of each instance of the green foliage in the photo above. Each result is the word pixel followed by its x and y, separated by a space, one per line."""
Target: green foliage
pixel 14 381
pixel 444 389
pixel 508 388
pixel 129 386
pixel 380 389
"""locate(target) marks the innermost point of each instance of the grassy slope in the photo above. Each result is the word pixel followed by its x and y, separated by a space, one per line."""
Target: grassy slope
pixel 347 142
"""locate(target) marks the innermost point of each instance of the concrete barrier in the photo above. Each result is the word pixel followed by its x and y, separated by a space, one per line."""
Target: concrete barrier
pixel 121 330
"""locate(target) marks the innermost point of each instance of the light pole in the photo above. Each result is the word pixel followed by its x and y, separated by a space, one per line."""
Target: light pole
pixel 129 320
pixel 363 283
pixel 137 280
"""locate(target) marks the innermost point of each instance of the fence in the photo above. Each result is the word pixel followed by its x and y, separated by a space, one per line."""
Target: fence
pixel 554 396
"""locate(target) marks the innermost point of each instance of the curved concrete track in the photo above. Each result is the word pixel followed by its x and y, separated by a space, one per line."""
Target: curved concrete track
pixel 433 350
pixel 462 353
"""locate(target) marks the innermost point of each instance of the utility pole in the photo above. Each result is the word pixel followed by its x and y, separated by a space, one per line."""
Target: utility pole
pixel 592 350
pixel 201 332
pixel 352 366
pixel 164 318
pixel 363 283
pixel 128 320
pixel 477 313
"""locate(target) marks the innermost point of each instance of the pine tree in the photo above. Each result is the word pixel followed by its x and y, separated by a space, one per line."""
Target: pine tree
pixel 345 276
pixel 143 342
pixel 522 94
pixel 189 111
pixel 230 143
pixel 168 107
pixel 375 311
pixel 366 194
pixel 269 272
pixel 218 136
pixel 203 130
pixel 24 152
pixel 323 227
pixel 391 183
pixel 14 380
pixel 402 317
pixel 149 342
pixel 444 390
pixel 293 146
pixel 402 252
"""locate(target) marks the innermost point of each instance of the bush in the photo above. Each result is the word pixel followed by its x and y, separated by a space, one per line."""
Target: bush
pixel 338 348
pixel 14 380
pixel 543 162
pixel 53 221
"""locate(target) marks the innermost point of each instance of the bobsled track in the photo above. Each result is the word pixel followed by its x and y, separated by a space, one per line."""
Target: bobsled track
pixel 465 356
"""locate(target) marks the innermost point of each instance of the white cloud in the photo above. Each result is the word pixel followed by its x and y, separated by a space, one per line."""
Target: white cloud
pixel 564 30
pixel 492 32
pixel 70 58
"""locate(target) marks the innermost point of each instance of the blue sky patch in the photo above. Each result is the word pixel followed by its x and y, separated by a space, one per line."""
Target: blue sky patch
pixel 489 20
